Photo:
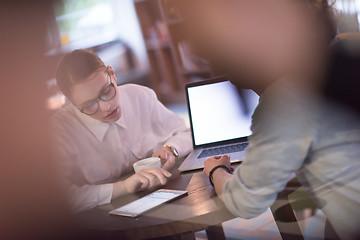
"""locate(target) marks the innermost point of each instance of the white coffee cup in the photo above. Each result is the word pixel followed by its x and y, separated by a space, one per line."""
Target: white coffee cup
pixel 151 162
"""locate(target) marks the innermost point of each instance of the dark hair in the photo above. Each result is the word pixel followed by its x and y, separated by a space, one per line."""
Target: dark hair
pixel 326 12
pixel 342 81
pixel 75 68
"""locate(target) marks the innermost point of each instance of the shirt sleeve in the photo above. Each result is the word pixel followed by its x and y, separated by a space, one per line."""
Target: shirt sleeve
pixel 89 196
pixel 169 126
pixel 280 140
pixel 80 194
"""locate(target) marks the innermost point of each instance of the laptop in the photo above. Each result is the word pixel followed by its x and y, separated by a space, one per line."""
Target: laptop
pixel 220 119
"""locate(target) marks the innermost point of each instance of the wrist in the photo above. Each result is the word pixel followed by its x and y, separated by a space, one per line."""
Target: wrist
pixel 216 169
pixel 172 150
pixel 119 189
pixel 218 172
pixel 126 186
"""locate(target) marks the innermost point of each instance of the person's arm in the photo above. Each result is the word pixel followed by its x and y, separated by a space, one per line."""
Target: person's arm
pixel 283 132
pixel 146 178
pixel 87 196
pixel 170 128
pixel 80 194
pixel 220 176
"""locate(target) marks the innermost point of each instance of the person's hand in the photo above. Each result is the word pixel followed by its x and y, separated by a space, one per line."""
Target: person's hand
pixel 214 161
pixel 146 178
pixel 166 156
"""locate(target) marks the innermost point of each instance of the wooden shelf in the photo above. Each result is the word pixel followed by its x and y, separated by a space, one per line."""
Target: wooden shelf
pixel 172 64
pixel 171 22
pixel 152 45
pixel 199 72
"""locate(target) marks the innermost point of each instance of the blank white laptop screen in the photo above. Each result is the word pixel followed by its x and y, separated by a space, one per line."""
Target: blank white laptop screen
pixel 218 113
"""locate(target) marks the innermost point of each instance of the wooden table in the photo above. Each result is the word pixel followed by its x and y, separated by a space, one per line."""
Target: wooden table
pixel 201 209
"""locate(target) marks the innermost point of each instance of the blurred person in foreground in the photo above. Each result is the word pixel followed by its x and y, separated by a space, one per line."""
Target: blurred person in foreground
pixel 32 205
pixel 279 49
pixel 107 128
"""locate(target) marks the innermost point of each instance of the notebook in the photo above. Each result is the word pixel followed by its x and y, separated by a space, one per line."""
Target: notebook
pixel 220 119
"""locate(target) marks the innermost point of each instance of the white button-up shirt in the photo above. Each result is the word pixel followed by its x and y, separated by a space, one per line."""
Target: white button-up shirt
pixel 94 154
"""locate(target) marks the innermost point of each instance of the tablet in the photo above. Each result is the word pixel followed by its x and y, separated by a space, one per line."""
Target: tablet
pixel 147 202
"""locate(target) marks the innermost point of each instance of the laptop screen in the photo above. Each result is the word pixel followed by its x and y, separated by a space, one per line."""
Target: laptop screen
pixel 218 112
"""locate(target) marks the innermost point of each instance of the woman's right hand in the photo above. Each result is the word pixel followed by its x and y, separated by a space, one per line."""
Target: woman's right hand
pixel 146 178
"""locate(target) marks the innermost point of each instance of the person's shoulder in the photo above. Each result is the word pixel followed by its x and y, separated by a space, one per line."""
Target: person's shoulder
pixel 63 116
pixel 133 90
pixel 62 112
pixel 134 87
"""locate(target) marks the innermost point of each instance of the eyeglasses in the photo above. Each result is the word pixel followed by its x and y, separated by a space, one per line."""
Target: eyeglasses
pixel 91 107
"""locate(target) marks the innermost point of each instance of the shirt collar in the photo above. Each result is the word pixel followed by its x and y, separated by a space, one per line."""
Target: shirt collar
pixel 97 127
pixel 121 122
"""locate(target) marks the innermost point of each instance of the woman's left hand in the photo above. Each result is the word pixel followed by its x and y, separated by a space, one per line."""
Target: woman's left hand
pixel 166 156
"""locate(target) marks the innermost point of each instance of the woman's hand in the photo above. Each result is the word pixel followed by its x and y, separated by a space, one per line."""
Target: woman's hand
pixel 146 178
pixel 166 156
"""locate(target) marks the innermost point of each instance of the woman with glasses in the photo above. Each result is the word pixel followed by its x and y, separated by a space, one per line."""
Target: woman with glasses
pixel 107 128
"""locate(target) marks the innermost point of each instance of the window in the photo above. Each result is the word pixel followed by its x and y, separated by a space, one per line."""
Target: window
pixel 348 6
pixel 348 15
pixel 85 23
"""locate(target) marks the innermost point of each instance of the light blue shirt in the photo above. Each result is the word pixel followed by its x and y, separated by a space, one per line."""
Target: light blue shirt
pixel 294 131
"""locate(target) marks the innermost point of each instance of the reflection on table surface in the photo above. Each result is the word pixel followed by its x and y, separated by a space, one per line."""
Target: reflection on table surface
pixel 197 211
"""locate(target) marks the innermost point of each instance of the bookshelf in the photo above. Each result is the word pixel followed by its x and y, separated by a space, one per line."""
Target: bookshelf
pixel 171 62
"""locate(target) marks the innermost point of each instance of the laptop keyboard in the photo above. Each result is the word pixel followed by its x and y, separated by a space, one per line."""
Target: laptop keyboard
pixel 216 151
